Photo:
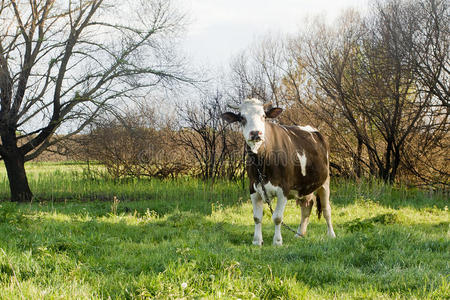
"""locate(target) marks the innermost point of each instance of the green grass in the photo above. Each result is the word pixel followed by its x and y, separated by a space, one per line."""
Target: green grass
pixel 175 239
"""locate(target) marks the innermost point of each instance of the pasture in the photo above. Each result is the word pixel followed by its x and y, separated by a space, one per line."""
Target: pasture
pixel 88 236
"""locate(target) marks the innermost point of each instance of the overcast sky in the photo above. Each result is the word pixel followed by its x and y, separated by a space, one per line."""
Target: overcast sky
pixel 222 28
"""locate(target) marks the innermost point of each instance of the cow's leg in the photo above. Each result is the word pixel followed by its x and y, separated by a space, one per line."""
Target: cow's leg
pixel 257 217
pixel 324 194
pixel 278 217
pixel 306 206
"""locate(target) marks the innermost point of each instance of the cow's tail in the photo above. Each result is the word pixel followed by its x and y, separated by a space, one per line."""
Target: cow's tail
pixel 319 207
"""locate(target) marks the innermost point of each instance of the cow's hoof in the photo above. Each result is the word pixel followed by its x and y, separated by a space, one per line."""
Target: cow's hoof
pixel 257 242
pixel 330 233
pixel 277 242
pixel 298 235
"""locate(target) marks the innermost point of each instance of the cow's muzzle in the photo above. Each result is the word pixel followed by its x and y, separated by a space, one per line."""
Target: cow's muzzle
pixel 255 136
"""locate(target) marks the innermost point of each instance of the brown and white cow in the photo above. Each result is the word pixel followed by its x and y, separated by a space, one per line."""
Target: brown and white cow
pixel 293 160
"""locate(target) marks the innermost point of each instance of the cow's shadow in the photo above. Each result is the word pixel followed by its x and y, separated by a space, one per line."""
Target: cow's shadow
pixel 347 192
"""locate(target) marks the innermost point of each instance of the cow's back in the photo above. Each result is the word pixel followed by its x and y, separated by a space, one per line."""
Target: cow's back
pixel 295 158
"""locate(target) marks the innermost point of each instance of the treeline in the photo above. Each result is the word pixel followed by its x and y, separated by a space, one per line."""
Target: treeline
pixel 142 142
pixel 376 85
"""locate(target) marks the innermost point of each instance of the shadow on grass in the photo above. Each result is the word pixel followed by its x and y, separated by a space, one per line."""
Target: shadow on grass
pixel 165 197
pixel 386 257
pixel 182 193
pixel 345 192
pixel 190 194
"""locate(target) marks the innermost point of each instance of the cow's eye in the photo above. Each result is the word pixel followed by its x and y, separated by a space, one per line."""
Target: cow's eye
pixel 243 120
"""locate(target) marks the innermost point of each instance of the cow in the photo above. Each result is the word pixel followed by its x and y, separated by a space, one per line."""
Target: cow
pixel 283 162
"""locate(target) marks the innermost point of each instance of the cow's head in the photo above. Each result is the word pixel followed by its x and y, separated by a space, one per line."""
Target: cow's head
pixel 252 115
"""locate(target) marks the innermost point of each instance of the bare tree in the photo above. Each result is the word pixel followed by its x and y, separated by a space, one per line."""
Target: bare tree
pixel 431 46
pixel 367 83
pixel 63 62
pixel 215 147
pixel 425 154
pixel 259 71
pixel 139 142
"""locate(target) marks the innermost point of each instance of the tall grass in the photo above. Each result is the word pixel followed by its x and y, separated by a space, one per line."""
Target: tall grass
pixel 62 182
pixel 89 236
pixel 69 181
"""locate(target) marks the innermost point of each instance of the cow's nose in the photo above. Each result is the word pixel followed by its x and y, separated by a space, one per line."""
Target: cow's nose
pixel 255 135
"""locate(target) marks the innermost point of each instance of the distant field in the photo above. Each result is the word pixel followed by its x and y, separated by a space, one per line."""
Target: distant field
pixel 184 238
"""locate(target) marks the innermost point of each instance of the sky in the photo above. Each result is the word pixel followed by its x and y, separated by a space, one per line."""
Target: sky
pixel 219 29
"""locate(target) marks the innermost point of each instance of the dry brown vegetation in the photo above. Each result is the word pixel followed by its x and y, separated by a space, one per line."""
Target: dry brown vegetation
pixel 55 71
pixel 376 85
pixel 142 142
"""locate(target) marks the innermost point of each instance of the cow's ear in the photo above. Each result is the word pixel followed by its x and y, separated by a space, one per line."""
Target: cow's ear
pixel 273 112
pixel 231 117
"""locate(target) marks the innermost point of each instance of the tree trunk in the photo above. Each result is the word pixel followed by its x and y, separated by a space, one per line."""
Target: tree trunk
pixel 395 165
pixel 357 160
pixel 18 182
pixel 372 164
pixel 386 171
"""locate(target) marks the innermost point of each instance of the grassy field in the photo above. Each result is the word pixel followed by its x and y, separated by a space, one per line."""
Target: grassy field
pixel 86 236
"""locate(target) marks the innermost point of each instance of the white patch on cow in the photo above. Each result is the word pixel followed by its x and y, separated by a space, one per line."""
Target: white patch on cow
pixel 302 160
pixel 257 216
pixel 308 128
pixel 271 190
pixel 277 217
pixel 253 112
pixel 254 146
